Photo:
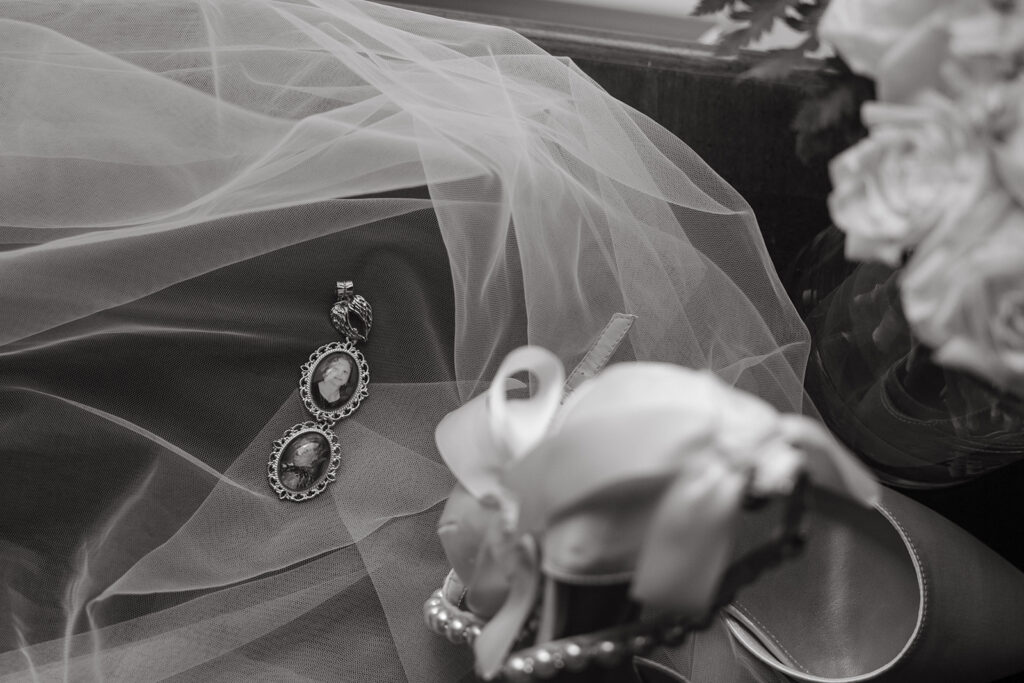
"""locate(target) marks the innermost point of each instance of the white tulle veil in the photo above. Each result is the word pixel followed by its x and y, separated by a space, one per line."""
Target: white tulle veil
pixel 181 184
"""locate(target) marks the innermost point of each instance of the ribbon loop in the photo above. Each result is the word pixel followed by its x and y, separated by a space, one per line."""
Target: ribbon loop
pixel 479 439
pixel 519 424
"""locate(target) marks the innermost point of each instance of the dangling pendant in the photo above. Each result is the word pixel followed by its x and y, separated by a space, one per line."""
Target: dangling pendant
pixel 304 461
pixel 333 383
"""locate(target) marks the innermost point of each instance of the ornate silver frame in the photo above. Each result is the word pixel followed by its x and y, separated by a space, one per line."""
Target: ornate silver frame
pixel 279 447
pixel 306 382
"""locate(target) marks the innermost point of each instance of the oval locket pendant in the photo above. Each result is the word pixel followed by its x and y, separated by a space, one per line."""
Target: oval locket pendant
pixel 333 383
pixel 304 461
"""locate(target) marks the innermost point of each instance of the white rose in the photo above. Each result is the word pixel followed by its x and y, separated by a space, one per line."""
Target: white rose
pixel 1006 117
pixel 987 31
pixel 908 46
pixel 963 293
pixel 864 32
pixel 921 166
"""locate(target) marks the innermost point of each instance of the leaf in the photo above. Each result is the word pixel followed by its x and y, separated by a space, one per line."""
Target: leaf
pixel 810 14
pixel 813 8
pixel 762 16
pixel 712 6
pixel 828 124
pixel 731 42
pixel 795 23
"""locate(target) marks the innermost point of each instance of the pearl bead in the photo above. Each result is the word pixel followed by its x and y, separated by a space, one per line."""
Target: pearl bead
pixel 518 670
pixel 641 644
pixel 520 664
pixel 472 633
pixel 440 621
pixel 456 631
pixel 572 655
pixel 430 615
pixel 608 653
pixel 544 664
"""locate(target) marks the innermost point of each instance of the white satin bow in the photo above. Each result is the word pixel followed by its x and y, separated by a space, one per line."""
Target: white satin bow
pixel 680 442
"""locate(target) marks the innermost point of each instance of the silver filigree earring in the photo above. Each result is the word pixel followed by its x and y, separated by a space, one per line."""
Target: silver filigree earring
pixel 334 382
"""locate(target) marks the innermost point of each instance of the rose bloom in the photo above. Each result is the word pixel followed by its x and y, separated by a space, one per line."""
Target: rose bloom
pixel 1008 146
pixel 984 31
pixel 903 45
pixel 963 293
pixel 920 167
pixel 866 32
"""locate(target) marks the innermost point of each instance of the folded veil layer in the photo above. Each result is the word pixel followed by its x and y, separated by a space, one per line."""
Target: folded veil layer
pixel 181 184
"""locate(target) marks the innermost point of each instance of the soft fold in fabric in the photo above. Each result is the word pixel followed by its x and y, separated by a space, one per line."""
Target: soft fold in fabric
pixel 181 184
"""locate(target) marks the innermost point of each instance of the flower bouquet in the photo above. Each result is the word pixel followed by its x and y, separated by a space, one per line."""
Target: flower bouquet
pixel 919 335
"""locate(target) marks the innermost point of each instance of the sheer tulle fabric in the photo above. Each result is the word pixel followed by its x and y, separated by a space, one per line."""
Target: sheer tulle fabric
pixel 918 422
pixel 181 184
